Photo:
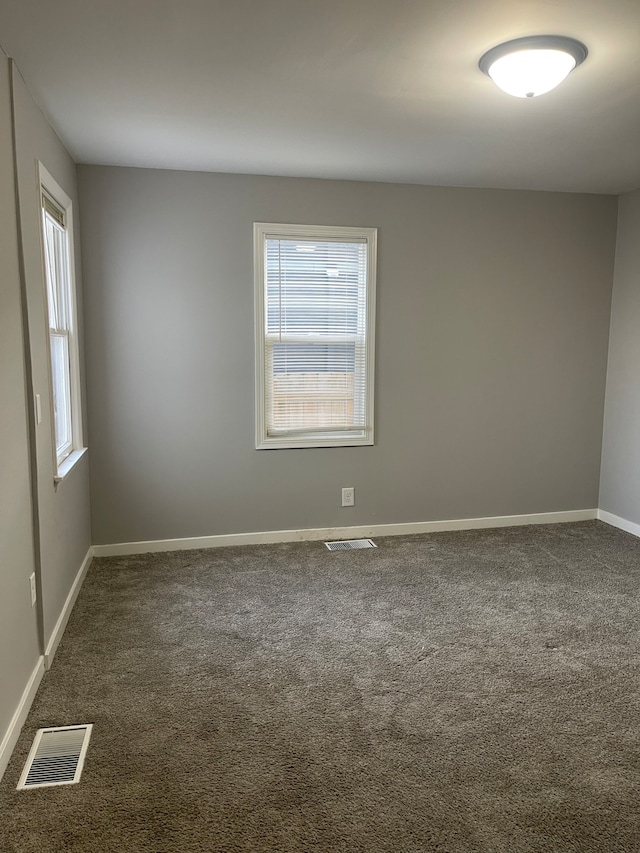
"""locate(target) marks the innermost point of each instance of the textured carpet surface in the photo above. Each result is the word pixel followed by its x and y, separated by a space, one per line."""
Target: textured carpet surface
pixel 475 691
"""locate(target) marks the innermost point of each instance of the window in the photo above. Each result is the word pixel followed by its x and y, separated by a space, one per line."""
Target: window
pixel 315 301
pixel 57 231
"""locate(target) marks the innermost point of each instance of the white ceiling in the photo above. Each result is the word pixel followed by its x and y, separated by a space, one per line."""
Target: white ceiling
pixel 383 90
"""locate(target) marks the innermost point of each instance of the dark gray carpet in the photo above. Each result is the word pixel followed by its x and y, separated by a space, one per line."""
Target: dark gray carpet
pixel 474 691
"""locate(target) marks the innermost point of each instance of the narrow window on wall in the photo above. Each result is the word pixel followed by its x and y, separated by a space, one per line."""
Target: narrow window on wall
pixel 61 313
pixel 315 304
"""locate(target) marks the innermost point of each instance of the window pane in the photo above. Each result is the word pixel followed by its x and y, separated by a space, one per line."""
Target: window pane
pixel 61 392
pixel 56 256
pixel 314 287
pixel 315 386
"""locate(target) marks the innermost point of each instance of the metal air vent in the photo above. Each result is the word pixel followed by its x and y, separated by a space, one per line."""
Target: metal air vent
pixel 56 757
pixel 350 544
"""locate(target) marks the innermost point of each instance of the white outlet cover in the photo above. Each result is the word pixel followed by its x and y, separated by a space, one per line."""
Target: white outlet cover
pixel 348 496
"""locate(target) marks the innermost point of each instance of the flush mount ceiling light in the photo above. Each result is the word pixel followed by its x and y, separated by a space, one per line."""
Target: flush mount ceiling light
pixel 533 65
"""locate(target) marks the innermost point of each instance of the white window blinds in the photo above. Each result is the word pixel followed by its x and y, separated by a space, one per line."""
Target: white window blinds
pixel 315 307
pixel 56 260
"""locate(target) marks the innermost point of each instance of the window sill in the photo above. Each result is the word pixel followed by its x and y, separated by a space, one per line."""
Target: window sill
pixel 68 464
pixel 289 442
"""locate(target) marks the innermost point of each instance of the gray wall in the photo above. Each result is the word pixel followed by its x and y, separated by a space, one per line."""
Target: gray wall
pixel 56 546
pixel 493 317
pixel 19 645
pixel 620 484
pixel 65 528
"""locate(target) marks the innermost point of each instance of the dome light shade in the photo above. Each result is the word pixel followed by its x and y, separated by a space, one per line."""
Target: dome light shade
pixel 531 66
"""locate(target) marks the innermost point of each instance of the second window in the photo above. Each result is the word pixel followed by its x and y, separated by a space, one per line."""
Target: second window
pixel 315 290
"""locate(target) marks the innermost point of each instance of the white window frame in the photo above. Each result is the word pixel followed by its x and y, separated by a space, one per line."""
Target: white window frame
pixel 347 438
pixel 64 461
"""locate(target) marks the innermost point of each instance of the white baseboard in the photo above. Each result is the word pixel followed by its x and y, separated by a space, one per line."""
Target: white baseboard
pixel 616 521
pixel 17 721
pixel 311 534
pixel 61 624
pixel 44 663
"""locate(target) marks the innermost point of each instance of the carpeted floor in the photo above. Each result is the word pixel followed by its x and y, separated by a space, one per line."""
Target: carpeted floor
pixel 474 692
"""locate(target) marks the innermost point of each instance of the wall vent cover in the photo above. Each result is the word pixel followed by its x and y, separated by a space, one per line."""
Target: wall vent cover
pixel 350 544
pixel 56 758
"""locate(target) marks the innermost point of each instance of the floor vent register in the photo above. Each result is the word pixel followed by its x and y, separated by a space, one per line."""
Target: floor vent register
pixel 56 758
pixel 350 544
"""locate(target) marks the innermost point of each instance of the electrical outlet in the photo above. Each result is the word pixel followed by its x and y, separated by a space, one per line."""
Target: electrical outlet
pixel 348 496
pixel 32 587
